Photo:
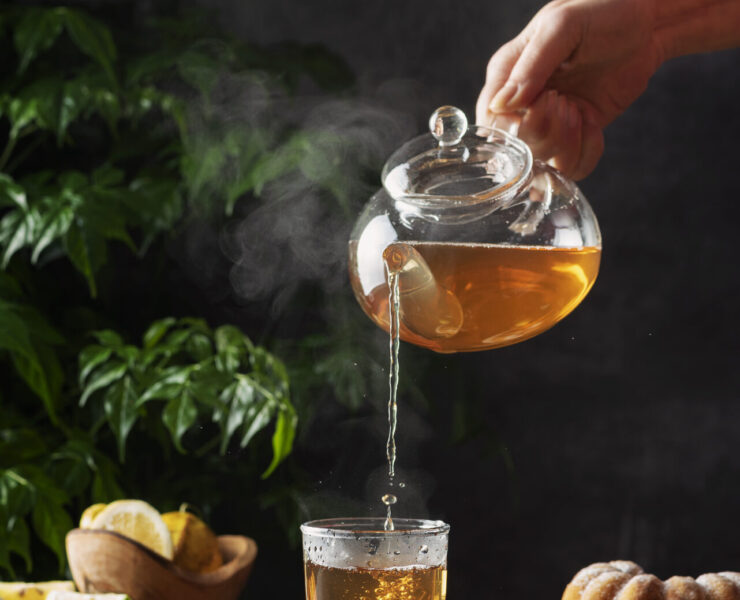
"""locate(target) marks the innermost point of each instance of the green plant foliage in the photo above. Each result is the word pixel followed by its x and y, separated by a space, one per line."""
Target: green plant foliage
pixel 79 214
pixel 189 370
pixel 29 340
pixel 111 143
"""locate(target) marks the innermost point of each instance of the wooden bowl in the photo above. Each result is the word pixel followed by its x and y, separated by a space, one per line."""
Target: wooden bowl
pixel 105 561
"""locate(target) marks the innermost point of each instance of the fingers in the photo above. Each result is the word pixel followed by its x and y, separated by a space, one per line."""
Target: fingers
pixel 559 129
pixel 592 147
pixel 563 133
pixel 551 38
pixel 582 151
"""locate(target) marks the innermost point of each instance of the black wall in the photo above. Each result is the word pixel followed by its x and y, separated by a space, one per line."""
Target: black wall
pixel 622 424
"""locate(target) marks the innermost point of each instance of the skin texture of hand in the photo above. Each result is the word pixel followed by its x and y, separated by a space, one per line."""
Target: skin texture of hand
pixel 574 68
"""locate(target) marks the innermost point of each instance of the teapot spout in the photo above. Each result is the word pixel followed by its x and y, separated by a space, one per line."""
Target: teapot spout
pixel 427 308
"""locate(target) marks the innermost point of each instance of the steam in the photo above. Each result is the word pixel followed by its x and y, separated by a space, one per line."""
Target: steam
pixel 299 234
pixel 294 232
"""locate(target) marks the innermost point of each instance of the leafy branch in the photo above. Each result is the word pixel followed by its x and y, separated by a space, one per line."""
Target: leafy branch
pixel 194 372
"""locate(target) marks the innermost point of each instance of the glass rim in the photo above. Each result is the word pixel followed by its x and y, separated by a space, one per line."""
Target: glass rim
pixel 373 527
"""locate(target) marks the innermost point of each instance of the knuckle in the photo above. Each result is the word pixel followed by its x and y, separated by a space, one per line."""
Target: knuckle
pixel 558 17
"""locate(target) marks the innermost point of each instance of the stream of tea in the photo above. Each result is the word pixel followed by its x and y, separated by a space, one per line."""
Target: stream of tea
pixel 461 297
pixel 390 447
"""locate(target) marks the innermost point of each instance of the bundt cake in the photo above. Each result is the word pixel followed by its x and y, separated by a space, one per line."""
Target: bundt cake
pixel 624 580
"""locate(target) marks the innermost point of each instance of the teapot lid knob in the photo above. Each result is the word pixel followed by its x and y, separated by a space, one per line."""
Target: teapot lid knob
pixel 448 125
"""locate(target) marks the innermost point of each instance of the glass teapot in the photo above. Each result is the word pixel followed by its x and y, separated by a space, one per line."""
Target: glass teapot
pixel 487 247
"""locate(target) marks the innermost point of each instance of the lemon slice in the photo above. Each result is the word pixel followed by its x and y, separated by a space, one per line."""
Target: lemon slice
pixel 32 591
pixel 79 596
pixel 89 515
pixel 138 521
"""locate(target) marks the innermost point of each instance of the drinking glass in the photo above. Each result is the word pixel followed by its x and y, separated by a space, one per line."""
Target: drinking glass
pixel 358 559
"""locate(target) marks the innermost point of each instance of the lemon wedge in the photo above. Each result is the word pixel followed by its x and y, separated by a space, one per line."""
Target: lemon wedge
pixel 89 515
pixel 195 545
pixel 138 521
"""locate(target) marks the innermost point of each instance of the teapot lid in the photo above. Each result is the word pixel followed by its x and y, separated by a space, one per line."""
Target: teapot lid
pixel 457 165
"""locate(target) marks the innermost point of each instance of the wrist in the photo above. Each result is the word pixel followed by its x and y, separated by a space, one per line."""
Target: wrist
pixel 689 26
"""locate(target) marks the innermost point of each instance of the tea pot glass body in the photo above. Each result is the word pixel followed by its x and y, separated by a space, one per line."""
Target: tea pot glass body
pixel 490 247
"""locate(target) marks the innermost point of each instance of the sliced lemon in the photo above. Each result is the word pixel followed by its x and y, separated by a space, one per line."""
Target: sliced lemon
pixel 195 545
pixel 89 515
pixel 80 596
pixel 32 591
pixel 138 521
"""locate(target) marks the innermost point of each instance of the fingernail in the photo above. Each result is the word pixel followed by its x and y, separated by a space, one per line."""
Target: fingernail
pixel 506 94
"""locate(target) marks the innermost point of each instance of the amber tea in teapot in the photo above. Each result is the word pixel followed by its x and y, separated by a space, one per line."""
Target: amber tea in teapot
pixel 489 246
pixel 494 295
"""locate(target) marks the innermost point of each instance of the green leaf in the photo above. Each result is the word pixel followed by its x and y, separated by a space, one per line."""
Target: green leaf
pixel 203 168
pixel 37 325
pixel 103 220
pixel 43 374
pixel 282 439
pixel 81 452
pixel 43 95
pixel 71 469
pixel 106 176
pixel 87 252
pixel 235 402
pixel 14 334
pixel 26 335
pixel 108 337
pixel 91 357
pixel 169 386
pixel 17 496
pixel 21 112
pixel 102 378
pixel 12 193
pixel 91 37
pixel 18 542
pixel 36 31
pixel 179 415
pixel 53 226
pixel 157 330
pixel 51 523
pixel 199 347
pixel 199 70
pixel 17 230
pixel 256 419
pixel 120 408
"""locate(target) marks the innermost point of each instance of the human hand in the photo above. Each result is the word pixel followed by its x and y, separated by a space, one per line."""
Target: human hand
pixel 575 67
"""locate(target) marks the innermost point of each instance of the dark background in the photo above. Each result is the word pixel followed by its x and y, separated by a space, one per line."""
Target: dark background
pixel 616 434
